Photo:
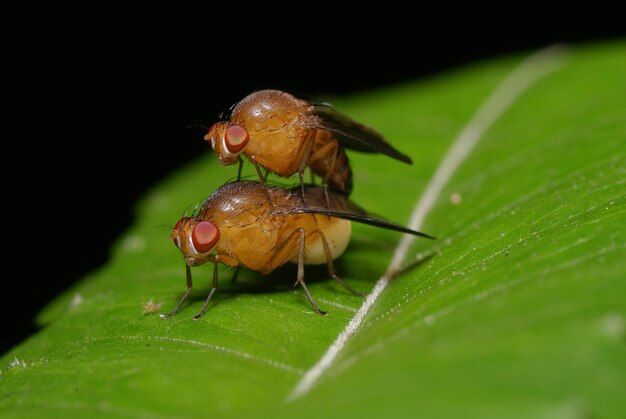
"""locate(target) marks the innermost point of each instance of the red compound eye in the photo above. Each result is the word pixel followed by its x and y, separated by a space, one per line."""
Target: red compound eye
pixel 236 138
pixel 204 236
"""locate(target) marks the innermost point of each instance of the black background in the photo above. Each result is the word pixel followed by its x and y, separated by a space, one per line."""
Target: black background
pixel 99 108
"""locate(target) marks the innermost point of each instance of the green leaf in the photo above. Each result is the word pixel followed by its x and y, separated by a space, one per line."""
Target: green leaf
pixel 521 312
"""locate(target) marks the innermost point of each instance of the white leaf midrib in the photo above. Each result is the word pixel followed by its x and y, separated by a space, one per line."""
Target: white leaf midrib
pixel 516 82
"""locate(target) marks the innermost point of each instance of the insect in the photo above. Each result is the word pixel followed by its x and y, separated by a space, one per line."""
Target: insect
pixel 285 135
pixel 248 224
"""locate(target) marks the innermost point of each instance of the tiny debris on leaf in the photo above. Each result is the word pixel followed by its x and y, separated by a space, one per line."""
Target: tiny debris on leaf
pixel 151 307
pixel 456 198
pixel 133 243
pixel 76 300
pixel 17 363
pixel 613 326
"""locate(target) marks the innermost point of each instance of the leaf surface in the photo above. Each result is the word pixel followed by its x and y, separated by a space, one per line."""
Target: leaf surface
pixel 520 313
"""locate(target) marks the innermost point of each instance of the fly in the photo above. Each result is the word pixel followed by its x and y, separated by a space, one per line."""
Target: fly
pixel 285 135
pixel 259 227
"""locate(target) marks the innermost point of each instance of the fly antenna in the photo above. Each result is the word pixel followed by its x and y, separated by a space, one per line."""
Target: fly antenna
pixel 198 123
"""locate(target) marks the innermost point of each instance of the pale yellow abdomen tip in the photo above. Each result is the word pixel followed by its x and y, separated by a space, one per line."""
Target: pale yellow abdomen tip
pixel 337 235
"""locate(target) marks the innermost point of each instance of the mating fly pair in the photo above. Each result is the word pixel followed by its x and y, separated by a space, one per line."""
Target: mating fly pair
pixel 260 227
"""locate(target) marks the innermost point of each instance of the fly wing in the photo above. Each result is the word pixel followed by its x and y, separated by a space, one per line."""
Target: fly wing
pixel 338 206
pixel 360 218
pixel 352 134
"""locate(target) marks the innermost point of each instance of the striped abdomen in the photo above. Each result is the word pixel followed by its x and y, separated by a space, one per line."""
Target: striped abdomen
pixel 329 161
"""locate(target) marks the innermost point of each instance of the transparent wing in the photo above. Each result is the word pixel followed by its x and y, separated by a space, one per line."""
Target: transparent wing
pixel 352 134
pixel 338 206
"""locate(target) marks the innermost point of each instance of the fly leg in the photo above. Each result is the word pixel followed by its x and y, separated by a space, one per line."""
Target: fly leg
pixel 182 300
pixel 301 274
pixel 322 153
pixel 325 189
pixel 258 171
pixel 263 178
pixel 285 253
pixel 240 160
pixel 305 162
pixel 302 189
pixel 331 268
pixel 235 275
pixel 206 302
pixel 333 161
